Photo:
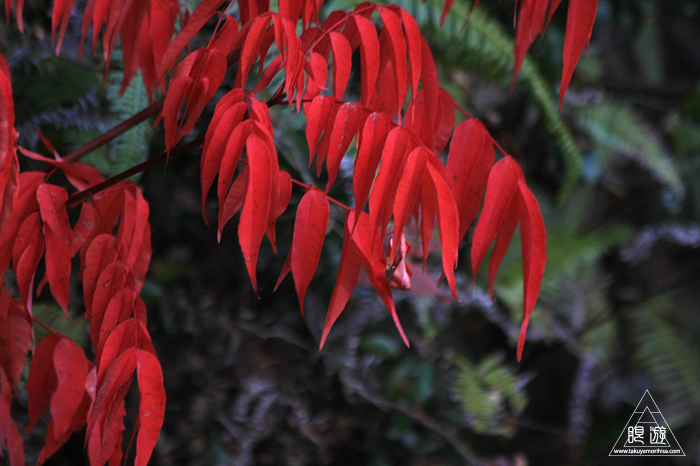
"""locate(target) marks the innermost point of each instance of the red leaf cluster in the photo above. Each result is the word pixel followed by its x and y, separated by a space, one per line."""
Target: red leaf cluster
pixel 113 267
pixel 399 127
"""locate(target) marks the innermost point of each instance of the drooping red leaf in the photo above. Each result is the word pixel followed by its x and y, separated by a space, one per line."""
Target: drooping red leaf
pixel 309 231
pixel 392 25
pixel 533 237
pixel 101 252
pixel 130 333
pixel 448 221
pixel 428 212
pixel 371 252
pixel 113 278
pixel 15 339
pixel 468 165
pixel 342 63
pixel 9 433
pixel 407 193
pixel 234 199
pixel 58 266
pixel 151 405
pixel 229 162
pixel 253 221
pixel 24 205
pixel 71 367
pixel 52 205
pixel 177 92
pixel 371 145
pixel 413 42
pixel 199 18
pixel 119 309
pixel 369 51
pixel 253 37
pixel 42 380
pixel 317 115
pixel 508 200
pixel 26 254
pixel 501 187
pixel 347 121
pixel 348 273
pixel 53 443
pixel 530 25
pixel 281 201
pixel 579 27
pixel 382 195
pixel 110 396
pixel 83 229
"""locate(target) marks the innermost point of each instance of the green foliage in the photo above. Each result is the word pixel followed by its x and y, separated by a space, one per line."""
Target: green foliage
pixel 615 129
pixel 490 394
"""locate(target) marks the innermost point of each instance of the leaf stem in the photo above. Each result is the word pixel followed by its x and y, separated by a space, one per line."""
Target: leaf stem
pixel 109 182
pixel 308 186
pixel 41 324
pixel 115 132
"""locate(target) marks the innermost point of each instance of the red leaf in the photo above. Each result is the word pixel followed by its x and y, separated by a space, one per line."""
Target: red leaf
pixel 110 396
pixel 177 92
pixel 71 369
pixel 112 279
pixel 342 63
pixel 26 254
pixel 130 333
pixel 428 212
pixel 530 24
pixel 42 380
pixel 534 245
pixel 309 231
pixel 413 42
pixel 60 15
pixel 250 50
pixel 256 207
pixel 371 252
pixel 371 144
pixel 24 205
pixel 199 18
pixel 407 193
pixel 99 255
pixel 392 25
pixel 369 52
pixel 579 27
pixel 382 196
pixel 118 310
pixel 83 228
pixel 151 405
pixel 468 165
pixel 501 187
pixel 348 273
pixel 232 155
pixel 281 201
pixel 344 128
pixel 8 429
pixel 317 115
pixel 58 266
pixel 52 205
pixel 234 199
pixel 53 444
pixel 508 200
pixel 448 221
pixel 15 339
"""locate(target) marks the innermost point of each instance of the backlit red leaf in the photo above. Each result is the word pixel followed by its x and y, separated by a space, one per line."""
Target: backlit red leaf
pixel 309 231
pixel 579 27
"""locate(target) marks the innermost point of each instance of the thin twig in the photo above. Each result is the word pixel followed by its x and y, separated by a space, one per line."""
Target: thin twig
pixel 115 132
pixel 87 193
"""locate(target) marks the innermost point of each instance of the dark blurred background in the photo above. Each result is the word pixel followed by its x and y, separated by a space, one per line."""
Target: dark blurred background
pixel 616 175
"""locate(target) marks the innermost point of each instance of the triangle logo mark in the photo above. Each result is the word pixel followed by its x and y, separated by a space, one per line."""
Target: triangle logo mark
pixel 647 433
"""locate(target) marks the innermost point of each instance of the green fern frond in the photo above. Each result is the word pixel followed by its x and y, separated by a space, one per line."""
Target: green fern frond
pixel 616 129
